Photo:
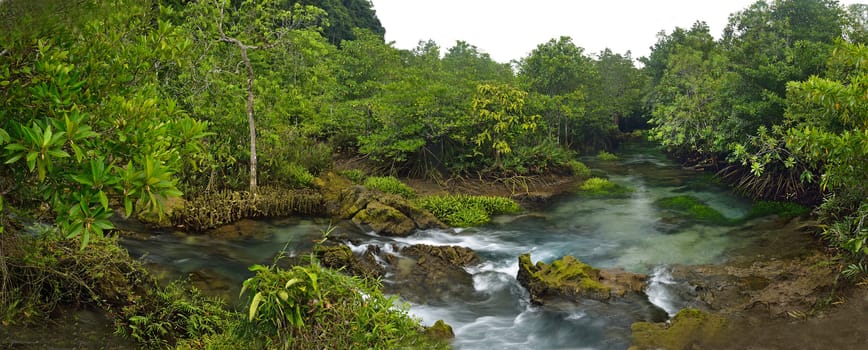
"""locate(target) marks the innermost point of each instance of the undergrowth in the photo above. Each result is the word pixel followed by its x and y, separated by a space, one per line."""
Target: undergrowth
pixel 390 184
pixel 466 210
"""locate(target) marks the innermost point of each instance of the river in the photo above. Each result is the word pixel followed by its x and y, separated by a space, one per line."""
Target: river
pixel 628 232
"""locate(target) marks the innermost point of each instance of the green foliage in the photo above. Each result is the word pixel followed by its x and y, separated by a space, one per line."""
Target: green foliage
pixel 357 176
pixel 464 210
pixel 44 272
pixel 692 208
pixel 596 186
pixel 308 306
pixel 606 156
pixel 76 142
pixel 390 184
pixel 579 169
pixel 499 108
pixel 293 175
pixel 541 158
pixel 168 315
pixel 850 234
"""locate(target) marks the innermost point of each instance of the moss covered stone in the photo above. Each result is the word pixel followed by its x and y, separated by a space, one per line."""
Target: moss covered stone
pixel 440 331
pixel 385 220
pixel 573 279
pixel 686 330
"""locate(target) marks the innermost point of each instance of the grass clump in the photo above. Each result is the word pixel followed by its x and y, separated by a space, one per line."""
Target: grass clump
pixel 782 209
pixel 465 210
pixel 606 156
pixel 579 169
pixel 390 184
pixel 357 176
pixel 596 186
pixel 693 208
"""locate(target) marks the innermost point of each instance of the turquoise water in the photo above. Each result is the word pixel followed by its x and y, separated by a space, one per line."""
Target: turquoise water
pixel 628 232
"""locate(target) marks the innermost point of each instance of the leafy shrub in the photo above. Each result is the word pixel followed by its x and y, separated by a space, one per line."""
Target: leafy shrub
pixel 464 210
pixel 390 184
pixel 176 312
pixel 851 235
pixel 606 156
pixel 294 175
pixel 579 169
pixel 355 175
pixel 596 186
pixel 540 158
pixel 311 307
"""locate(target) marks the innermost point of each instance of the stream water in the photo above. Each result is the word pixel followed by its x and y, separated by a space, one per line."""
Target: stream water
pixel 629 232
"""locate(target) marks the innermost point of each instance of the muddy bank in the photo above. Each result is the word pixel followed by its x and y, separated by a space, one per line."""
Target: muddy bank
pixel 530 191
pixel 785 292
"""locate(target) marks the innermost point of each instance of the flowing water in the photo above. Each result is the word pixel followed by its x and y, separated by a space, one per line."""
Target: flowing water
pixel 629 232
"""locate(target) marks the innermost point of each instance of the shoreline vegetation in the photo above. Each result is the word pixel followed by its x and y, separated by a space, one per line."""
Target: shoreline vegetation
pixel 196 114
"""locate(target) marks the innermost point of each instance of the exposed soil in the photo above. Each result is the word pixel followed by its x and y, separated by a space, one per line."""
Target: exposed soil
pixel 528 190
pixel 783 293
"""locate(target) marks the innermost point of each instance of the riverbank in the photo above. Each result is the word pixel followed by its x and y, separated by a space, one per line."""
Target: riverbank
pixel 784 292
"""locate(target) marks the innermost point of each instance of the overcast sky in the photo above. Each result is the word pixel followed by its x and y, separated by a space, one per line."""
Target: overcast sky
pixel 510 29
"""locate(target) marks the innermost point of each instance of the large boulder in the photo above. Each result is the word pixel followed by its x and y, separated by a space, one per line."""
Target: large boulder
pixel 341 257
pixel 383 213
pixel 572 279
pixel 384 220
pixel 431 274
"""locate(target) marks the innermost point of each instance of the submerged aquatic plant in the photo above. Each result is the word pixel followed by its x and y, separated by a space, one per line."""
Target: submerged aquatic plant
pixel 596 186
pixel 693 208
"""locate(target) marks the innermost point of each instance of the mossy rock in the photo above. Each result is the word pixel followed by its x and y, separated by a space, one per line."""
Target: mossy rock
pixel 385 220
pixel 572 279
pixel 431 274
pixel 692 208
pixel 340 257
pixel 451 255
pixel 440 331
pixel 689 329
pixel 423 219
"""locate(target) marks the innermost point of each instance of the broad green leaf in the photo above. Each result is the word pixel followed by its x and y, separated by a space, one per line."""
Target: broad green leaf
pixel 254 306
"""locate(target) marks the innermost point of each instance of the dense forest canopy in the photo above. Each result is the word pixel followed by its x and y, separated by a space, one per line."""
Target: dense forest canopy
pixel 113 106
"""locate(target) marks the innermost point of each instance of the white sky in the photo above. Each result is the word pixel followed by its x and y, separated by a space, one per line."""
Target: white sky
pixel 510 29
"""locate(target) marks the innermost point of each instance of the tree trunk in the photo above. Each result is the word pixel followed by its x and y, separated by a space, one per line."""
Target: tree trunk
pixel 250 121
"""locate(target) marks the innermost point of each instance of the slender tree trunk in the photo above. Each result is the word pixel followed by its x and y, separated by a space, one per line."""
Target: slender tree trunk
pixel 250 121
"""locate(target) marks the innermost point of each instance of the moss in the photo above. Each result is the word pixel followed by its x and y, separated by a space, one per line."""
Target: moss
pixel 600 187
pixel 693 208
pixel 782 209
pixel 579 169
pixel 566 277
pixel 464 210
pixel 385 220
pixel 606 156
pixel 687 329
pixel 390 184
pixel 568 272
pixel 440 331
